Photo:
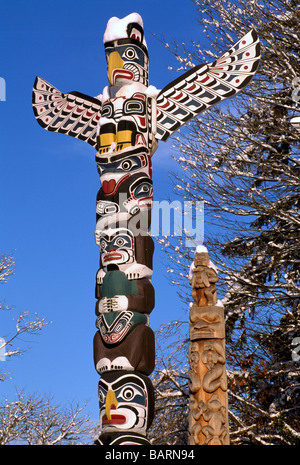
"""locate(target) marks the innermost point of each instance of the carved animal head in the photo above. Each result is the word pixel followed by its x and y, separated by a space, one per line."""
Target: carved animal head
pixel 126 50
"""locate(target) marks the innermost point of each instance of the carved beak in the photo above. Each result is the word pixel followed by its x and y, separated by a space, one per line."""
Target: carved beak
pixel 110 402
pixel 115 69
pixel 115 63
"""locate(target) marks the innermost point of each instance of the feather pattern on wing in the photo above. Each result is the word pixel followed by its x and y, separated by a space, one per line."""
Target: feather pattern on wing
pixel 205 85
pixel 74 113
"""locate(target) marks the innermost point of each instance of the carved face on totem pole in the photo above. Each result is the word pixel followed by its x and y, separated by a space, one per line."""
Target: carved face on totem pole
pixel 121 249
pixel 126 402
pixel 206 322
pixel 126 50
pixel 132 201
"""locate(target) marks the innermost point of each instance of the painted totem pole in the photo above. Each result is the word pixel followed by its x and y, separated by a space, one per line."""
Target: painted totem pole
pixel 124 125
pixel 208 419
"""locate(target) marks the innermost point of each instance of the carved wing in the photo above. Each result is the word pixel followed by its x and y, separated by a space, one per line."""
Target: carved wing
pixel 205 85
pixel 74 114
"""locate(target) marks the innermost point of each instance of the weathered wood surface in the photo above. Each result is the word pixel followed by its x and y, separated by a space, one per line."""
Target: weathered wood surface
pixel 208 417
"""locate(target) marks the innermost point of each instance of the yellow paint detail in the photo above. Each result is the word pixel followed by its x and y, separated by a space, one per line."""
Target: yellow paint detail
pixel 107 138
pixel 109 401
pixel 114 62
pixel 124 138
pixel 110 142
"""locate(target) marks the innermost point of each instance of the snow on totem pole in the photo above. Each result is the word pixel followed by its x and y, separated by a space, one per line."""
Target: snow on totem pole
pixel 124 125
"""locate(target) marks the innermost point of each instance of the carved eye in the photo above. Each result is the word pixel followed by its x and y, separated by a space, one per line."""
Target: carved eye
pixel 130 53
pixel 143 189
pixel 120 241
pixel 99 169
pixel 101 397
pixel 128 393
pixel 134 106
pixel 126 165
pixel 210 317
pixel 102 245
pixel 107 111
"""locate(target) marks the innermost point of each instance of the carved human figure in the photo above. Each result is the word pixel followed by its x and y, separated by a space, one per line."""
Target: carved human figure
pixel 214 413
pixel 213 357
pixel 203 276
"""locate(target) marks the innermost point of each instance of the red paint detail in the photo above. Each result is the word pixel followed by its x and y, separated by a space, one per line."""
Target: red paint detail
pixel 108 186
pixel 141 96
pixel 121 74
pixel 193 87
pixel 140 140
pixel 165 105
pixel 247 54
pixel 115 420
pixel 116 185
pixel 178 97
pixel 112 256
pixel 203 80
pixel 118 337
pixel 244 42
pixel 150 168
pixel 143 121
pixel 89 114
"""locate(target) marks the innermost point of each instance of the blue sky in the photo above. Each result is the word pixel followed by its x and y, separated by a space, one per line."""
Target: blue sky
pixel 49 183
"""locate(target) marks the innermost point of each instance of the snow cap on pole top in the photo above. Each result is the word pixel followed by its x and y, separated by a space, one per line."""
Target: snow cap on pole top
pixel 119 29
pixel 201 249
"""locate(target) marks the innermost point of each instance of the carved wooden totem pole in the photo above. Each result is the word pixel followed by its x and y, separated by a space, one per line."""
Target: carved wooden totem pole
pixel 124 124
pixel 208 422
